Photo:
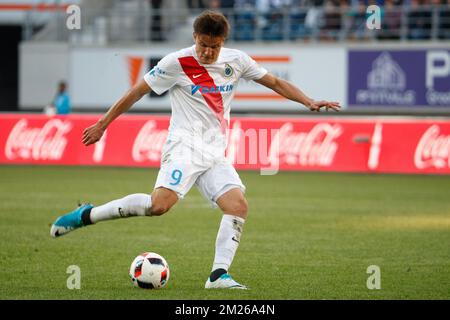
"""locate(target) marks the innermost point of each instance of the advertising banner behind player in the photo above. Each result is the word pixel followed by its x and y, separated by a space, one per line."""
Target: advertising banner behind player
pixel 399 78
pixel 401 145
pixel 118 69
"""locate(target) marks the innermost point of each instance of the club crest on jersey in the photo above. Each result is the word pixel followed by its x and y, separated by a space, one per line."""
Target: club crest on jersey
pixel 211 89
pixel 228 72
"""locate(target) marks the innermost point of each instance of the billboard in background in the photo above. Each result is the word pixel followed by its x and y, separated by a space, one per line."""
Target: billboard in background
pixel 340 144
pixel 413 77
pixel 100 76
pixel 399 78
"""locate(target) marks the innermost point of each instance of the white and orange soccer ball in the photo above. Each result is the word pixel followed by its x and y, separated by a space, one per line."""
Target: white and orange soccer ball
pixel 149 270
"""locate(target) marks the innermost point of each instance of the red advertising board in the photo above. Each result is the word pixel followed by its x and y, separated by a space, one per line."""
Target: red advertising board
pixel 343 144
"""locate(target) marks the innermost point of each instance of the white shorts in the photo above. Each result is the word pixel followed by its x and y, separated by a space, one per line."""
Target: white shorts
pixel 179 172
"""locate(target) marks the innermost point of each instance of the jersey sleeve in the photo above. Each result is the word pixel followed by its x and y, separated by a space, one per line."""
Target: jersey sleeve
pixel 251 69
pixel 164 75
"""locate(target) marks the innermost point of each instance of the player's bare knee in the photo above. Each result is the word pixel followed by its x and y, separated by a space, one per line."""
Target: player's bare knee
pixel 162 200
pixel 160 205
pixel 159 208
pixel 240 208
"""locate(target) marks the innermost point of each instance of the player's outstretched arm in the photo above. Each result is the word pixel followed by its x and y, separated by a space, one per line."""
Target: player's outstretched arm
pixel 93 133
pixel 291 92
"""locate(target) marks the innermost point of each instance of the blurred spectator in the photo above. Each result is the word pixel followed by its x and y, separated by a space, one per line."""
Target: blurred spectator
pixel 444 19
pixel 214 4
pixel 197 4
pixel 314 18
pixel 227 8
pixel 391 21
pixel 332 21
pixel 419 20
pixel 272 18
pixel 227 5
pixel 244 20
pixel 156 33
pixel 61 102
pixel 297 17
pixel 357 17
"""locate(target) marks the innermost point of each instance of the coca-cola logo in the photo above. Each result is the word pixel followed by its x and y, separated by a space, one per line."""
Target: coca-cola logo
pixel 314 148
pixel 42 143
pixel 433 150
pixel 149 143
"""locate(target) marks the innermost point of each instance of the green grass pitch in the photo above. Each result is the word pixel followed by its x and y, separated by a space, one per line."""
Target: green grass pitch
pixel 308 236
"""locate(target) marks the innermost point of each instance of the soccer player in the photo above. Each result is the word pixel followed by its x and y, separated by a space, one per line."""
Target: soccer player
pixel 202 81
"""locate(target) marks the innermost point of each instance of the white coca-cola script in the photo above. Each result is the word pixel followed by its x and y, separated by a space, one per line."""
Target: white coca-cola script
pixel 149 143
pixel 433 150
pixel 43 143
pixel 314 148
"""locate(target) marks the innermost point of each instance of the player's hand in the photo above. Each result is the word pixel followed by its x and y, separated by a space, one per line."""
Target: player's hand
pixel 92 134
pixel 317 105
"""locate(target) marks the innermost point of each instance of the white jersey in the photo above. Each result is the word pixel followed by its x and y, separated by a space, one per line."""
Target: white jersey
pixel 201 94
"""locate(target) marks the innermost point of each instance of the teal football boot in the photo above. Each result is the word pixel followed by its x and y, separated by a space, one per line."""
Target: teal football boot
pixel 70 221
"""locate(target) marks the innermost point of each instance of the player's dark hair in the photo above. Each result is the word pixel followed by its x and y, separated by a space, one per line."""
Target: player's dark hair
pixel 212 23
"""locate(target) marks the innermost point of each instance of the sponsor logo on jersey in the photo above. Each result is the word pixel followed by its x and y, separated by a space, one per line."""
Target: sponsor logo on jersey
pixel 156 71
pixel 211 89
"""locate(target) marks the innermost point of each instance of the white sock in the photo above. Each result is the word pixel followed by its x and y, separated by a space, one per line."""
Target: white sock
pixel 137 204
pixel 227 241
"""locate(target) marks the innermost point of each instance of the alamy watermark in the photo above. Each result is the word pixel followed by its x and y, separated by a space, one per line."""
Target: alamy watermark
pixel 255 147
pixel 374 280
pixel 73 21
pixel 74 280
pixel 374 17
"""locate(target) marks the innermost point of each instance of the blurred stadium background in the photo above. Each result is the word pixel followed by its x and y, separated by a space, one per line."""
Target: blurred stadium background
pixel 310 42
pixel 393 84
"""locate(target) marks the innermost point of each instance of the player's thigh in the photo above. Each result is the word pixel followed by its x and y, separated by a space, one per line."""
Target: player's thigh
pixel 178 176
pixel 218 180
